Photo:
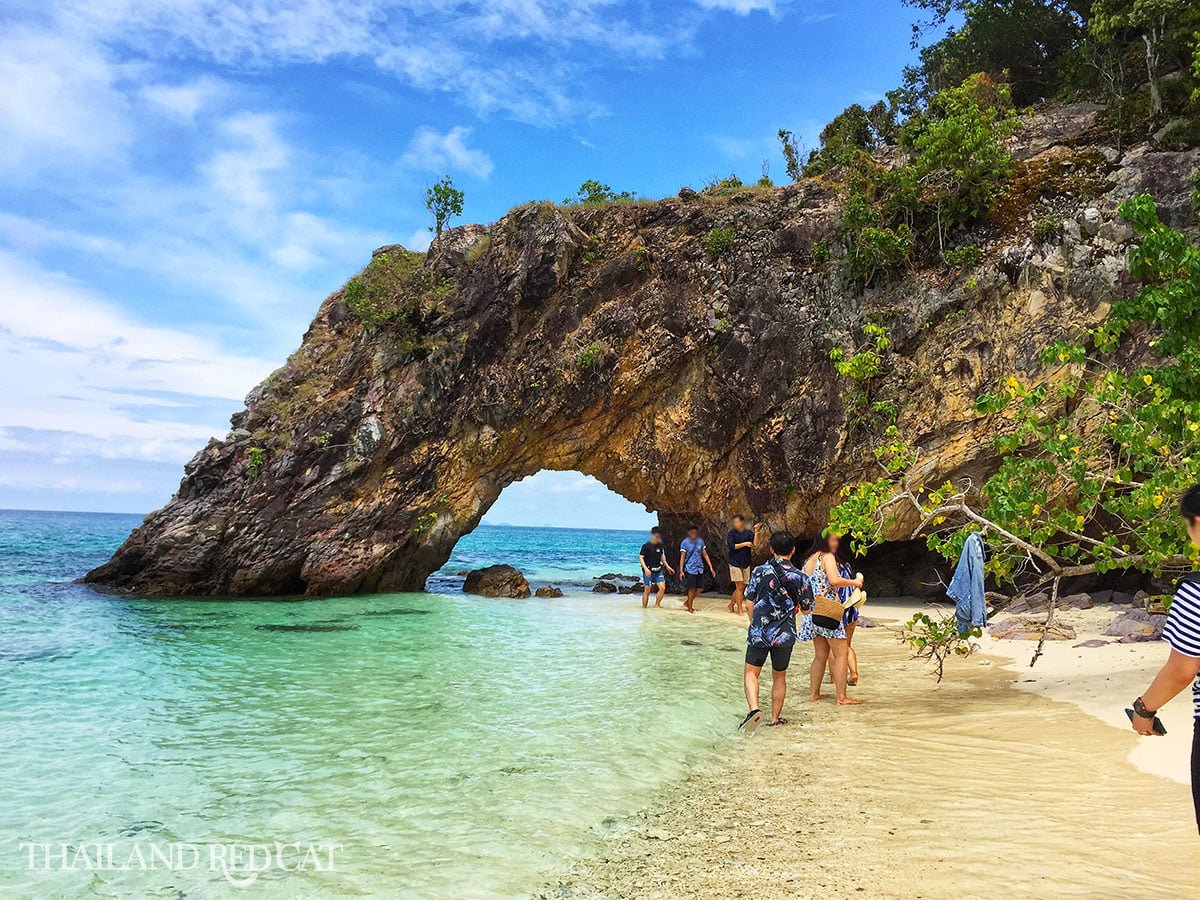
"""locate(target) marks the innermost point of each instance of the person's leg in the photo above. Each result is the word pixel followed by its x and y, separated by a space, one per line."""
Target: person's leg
pixel 645 593
pixel 778 693
pixel 780 658
pixel 662 592
pixel 1196 770
pixel 751 685
pixel 816 672
pixel 839 667
pixel 852 676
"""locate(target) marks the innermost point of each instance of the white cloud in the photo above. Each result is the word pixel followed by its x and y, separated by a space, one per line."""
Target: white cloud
pixel 184 101
pixel 74 363
pixel 742 7
pixel 419 240
pixel 59 100
pixel 434 151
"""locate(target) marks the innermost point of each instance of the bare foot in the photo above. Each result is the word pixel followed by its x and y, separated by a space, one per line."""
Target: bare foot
pixel 815 697
pixel 849 701
pixel 658 604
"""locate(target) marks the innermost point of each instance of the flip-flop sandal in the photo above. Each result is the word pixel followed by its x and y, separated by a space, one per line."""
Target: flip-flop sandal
pixel 751 722
pixel 779 721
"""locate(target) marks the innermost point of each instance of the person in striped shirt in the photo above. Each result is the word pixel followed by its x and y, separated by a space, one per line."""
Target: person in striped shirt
pixel 1182 633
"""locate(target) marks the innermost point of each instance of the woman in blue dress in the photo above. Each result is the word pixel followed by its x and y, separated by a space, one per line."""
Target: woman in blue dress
pixel 831 646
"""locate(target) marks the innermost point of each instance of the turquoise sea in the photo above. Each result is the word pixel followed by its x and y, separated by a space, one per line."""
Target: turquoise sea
pixel 429 745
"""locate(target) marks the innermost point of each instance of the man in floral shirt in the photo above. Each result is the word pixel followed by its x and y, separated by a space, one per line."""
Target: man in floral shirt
pixel 777 589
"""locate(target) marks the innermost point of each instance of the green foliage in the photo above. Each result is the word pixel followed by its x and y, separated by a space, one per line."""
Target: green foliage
pixel 256 458
pixel 957 165
pixel 1093 458
pixel 445 201
pixel 878 251
pixel 936 638
pixel 728 185
pixel 863 366
pixel 425 521
pixel 820 250
pixel 1034 41
pixel 589 357
pixel 594 193
pixel 789 144
pixel 641 257
pixel 963 257
pixel 1047 228
pixel 960 160
pixel 853 130
pixel 719 241
pixel 396 291
pixel 321 441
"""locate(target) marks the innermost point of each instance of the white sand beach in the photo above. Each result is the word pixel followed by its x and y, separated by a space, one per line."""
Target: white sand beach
pixel 999 781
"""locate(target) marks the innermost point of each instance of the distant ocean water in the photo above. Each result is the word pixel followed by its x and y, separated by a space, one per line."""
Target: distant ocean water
pixel 453 746
pixel 567 557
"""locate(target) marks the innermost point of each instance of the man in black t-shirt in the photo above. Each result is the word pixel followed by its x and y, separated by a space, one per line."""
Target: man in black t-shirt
pixel 739 542
pixel 653 557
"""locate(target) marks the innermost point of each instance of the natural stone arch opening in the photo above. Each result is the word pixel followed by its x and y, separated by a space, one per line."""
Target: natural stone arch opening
pixel 549 501
pixel 612 340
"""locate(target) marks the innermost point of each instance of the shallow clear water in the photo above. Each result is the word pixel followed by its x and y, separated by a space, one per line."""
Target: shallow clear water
pixel 453 746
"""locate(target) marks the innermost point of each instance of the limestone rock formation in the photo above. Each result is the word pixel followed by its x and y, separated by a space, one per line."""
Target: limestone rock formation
pixel 497 581
pixel 688 374
pixel 548 591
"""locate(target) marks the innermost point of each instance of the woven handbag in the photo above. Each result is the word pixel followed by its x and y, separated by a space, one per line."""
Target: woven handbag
pixel 827 612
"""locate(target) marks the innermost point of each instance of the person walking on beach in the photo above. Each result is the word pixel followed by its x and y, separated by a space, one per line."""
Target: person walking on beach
pixel 653 558
pixel 775 592
pixel 693 559
pixel 830 645
pixel 1182 634
pixel 739 541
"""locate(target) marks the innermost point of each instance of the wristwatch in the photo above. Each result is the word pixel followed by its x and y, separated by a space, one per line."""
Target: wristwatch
pixel 1140 708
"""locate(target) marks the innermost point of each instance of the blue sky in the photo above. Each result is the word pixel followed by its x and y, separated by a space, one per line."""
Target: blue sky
pixel 182 183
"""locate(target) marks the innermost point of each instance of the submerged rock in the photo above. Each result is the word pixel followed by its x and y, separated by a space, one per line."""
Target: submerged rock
pixel 497 581
pixel 548 591
pixel 604 587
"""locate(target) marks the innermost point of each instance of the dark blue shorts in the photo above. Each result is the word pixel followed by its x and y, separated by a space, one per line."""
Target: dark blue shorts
pixel 780 656
pixel 659 577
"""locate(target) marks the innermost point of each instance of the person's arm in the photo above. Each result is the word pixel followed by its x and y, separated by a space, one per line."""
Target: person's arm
pixel 1182 634
pixel 711 570
pixel 642 560
pixel 667 562
pixel 835 578
pixel 682 559
pixel 1172 678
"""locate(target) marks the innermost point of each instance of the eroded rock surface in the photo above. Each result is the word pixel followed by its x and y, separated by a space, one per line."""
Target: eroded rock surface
pixel 614 341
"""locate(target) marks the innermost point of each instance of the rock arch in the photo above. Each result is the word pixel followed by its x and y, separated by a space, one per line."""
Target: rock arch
pixel 688 375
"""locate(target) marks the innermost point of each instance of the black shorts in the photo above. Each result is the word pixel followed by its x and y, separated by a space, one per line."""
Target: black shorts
pixel 780 657
pixel 1196 770
pixel 693 581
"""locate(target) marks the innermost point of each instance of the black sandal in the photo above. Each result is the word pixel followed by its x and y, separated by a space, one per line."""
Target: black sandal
pixel 780 721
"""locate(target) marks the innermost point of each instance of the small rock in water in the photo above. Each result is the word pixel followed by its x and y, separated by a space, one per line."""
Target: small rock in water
pixel 497 581
pixel 316 627
pixel 688 642
pixel 548 591
pixel 604 587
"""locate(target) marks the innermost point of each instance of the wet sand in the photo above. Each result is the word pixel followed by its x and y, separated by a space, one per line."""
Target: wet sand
pixel 970 788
